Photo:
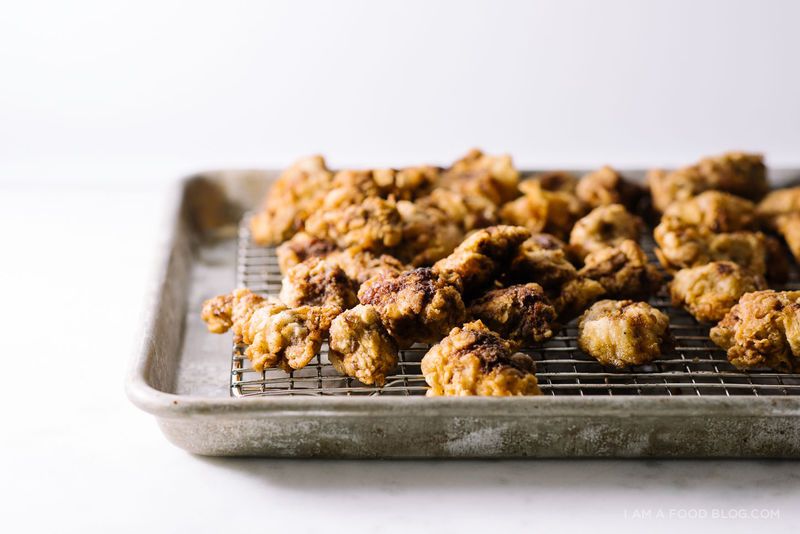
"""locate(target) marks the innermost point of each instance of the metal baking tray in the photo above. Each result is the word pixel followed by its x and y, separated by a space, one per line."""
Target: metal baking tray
pixel 689 403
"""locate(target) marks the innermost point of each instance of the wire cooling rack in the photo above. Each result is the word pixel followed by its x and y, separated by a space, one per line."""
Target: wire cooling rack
pixel 694 366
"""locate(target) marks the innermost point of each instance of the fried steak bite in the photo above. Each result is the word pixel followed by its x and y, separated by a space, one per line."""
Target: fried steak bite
pixel 477 173
pixel 712 226
pixel 275 335
pixel 708 292
pixel 470 211
pixel 623 332
pixel 762 330
pixel 415 306
pixel 473 360
pixel 481 257
pixel 542 259
pixel 607 186
pixel 541 210
pixel 347 218
pixel 623 271
pixel 428 235
pixel 520 313
pixel 604 226
pixel 400 184
pixel 780 211
pixel 361 347
pixel 301 247
pixel 572 298
pixel 295 195
pixel 737 173
pixel 361 265
pixel 318 282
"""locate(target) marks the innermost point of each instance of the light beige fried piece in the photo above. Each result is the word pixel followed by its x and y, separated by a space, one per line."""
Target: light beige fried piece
pixel 540 210
pixel 623 271
pixel 318 282
pixel 275 335
pixel 762 330
pixel 295 195
pixel 361 265
pixel 623 332
pixel 482 256
pixel 737 173
pixel 415 306
pixel 348 219
pixel 469 211
pixel 607 186
pixel 473 360
pixel 572 298
pixel 778 202
pixel 709 291
pixel 361 347
pixel 789 228
pixel 493 177
pixel 712 226
pixel 604 226
pixel 401 184
pixel 301 247
pixel 428 234
pixel 542 259
pixel 521 313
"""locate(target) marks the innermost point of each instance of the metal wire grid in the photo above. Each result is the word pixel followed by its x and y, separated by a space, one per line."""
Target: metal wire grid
pixel 693 366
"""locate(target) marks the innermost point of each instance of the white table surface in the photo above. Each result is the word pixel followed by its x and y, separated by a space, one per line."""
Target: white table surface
pixel 78 457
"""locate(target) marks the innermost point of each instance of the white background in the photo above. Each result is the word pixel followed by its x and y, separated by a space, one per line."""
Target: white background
pixel 103 104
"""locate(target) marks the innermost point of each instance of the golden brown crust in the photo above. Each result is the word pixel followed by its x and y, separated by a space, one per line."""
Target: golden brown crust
pixel 604 226
pixel 348 219
pixel 623 332
pixel 780 211
pixel 737 173
pixel 762 330
pixel 275 335
pixel 541 210
pixel 400 184
pixel 542 258
pixel 492 177
pixel 623 271
pixel 428 235
pixel 294 196
pixel 361 347
pixel 482 256
pixel 361 265
pixel 712 226
pixel 607 186
pixel 301 247
pixel 473 360
pixel 415 306
pixel 709 291
pixel 318 282
pixel 572 298
pixel 520 313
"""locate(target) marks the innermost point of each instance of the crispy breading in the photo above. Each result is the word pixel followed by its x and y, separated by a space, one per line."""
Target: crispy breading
pixel 607 186
pixel 469 211
pixel 780 211
pixel 623 271
pixel 295 195
pixel 482 256
pixel 737 173
pixel 361 347
pixel 542 259
pixel 415 306
pixel 789 228
pixel 473 360
pixel 712 226
pixel 301 247
pixel 604 226
pixel 275 335
pixel 709 291
pixel 400 184
pixel 493 177
pixel 572 298
pixel 520 313
pixel 762 330
pixel 428 234
pixel 361 265
pixel 318 282
pixel 349 219
pixel 623 332
pixel 541 210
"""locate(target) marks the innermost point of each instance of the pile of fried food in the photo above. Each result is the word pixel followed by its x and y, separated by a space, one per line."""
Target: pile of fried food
pixel 479 263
